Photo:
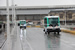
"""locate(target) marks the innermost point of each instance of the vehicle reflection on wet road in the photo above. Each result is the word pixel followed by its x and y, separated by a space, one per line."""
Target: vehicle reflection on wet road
pixel 63 41
pixel 52 42
pixel 36 39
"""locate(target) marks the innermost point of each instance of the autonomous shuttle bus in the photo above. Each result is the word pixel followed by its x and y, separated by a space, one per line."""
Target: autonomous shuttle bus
pixel 22 24
pixel 52 24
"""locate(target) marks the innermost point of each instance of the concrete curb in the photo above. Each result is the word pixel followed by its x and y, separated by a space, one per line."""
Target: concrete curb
pixel 34 26
pixel 38 26
pixel 68 31
pixel 28 26
pixel 62 30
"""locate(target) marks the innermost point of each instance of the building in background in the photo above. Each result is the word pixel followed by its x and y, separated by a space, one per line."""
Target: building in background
pixel 36 14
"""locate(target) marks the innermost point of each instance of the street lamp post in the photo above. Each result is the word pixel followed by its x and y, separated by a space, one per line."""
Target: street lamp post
pixel 8 27
pixel 14 16
pixel 12 11
pixel 65 17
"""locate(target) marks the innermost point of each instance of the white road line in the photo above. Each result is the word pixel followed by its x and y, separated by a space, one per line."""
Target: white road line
pixel 27 41
pixel 29 45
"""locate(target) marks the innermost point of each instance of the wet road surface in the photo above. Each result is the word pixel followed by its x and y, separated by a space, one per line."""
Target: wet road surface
pixel 35 39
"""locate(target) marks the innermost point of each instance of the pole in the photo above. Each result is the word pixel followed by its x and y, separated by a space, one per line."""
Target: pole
pixel 8 27
pixel 12 11
pixel 65 17
pixel 14 16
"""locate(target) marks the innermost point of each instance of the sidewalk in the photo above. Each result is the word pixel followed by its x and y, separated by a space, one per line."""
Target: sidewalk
pixel 16 43
pixel 2 39
pixel 18 40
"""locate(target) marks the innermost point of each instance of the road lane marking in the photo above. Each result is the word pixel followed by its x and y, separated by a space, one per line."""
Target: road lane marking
pixel 27 41
pixel 29 45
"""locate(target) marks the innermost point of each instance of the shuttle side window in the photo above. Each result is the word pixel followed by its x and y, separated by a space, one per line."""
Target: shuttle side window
pixel 45 21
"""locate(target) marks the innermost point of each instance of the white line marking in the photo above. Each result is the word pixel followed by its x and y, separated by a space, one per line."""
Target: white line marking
pixel 27 41
pixel 29 45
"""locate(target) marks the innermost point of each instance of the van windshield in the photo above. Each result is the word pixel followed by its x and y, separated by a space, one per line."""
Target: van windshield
pixel 53 21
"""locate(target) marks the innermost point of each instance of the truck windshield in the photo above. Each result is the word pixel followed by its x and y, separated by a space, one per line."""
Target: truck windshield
pixel 53 21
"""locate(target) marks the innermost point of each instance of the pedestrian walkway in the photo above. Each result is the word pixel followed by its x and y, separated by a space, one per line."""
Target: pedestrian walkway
pixel 2 39
pixel 15 38
pixel 18 40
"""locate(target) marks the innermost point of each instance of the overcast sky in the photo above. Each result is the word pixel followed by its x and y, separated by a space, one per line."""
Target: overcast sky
pixel 38 2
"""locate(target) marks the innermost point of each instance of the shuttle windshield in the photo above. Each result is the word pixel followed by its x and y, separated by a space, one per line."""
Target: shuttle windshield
pixel 53 21
pixel 23 22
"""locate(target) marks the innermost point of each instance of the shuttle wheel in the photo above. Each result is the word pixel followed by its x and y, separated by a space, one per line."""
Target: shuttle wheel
pixel 58 33
pixel 54 33
pixel 45 32
pixel 48 32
